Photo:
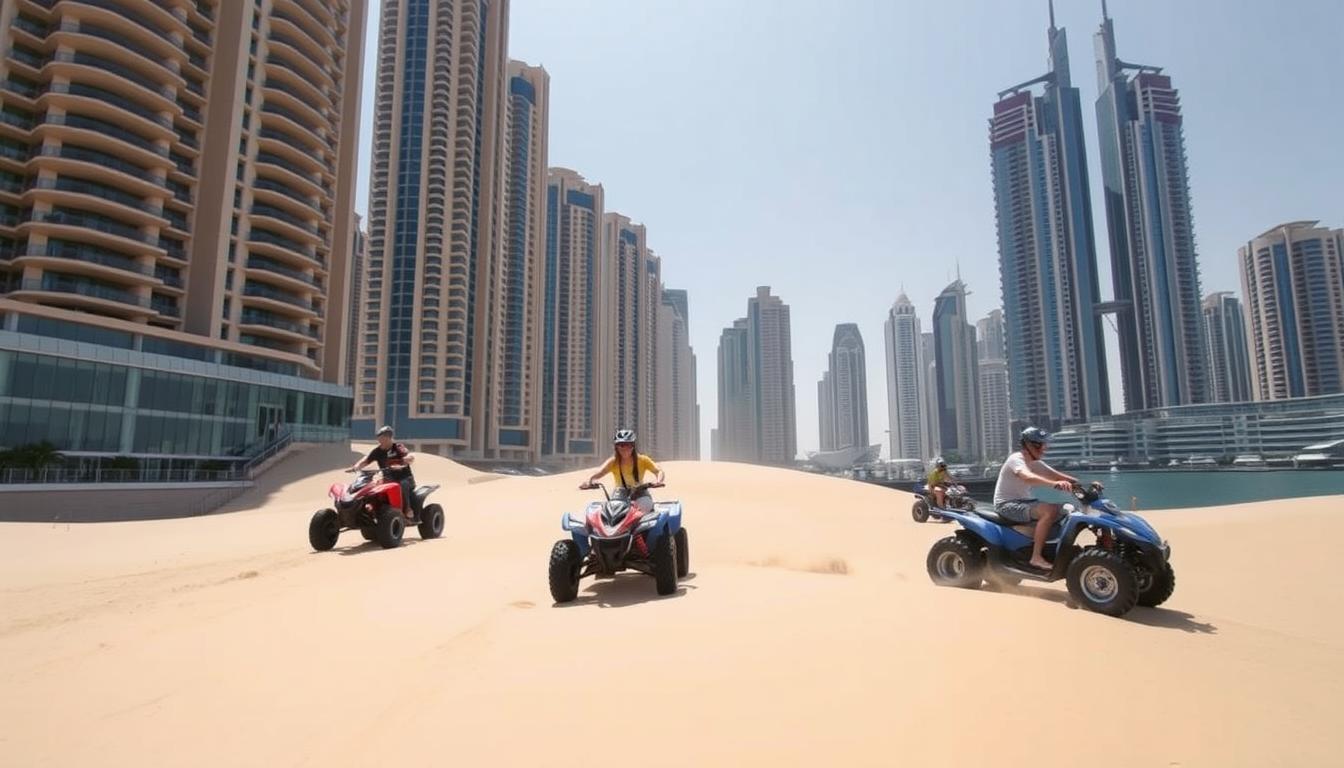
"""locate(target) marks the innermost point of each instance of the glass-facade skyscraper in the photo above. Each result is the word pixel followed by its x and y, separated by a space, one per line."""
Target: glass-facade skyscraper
pixel 1152 242
pixel 1047 254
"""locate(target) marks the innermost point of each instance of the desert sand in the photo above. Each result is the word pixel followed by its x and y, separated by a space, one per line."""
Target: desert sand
pixel 808 634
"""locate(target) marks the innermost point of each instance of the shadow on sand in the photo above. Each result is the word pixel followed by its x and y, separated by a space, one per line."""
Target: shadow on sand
pixel 1164 618
pixel 623 590
pixel 370 546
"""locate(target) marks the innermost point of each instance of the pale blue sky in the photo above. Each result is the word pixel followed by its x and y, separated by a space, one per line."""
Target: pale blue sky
pixel 838 151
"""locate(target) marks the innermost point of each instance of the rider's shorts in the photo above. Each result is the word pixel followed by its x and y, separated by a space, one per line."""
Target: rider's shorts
pixel 1016 510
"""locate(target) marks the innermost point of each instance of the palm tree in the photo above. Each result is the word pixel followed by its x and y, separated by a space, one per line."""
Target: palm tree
pixel 35 456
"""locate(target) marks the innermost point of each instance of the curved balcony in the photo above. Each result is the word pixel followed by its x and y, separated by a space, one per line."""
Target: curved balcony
pixel 100 166
pixel 284 101
pixel 110 74
pixel 279 143
pixel 118 37
pixel 91 228
pixel 85 260
pixel 283 223
pixel 299 85
pixel 93 100
pixel 293 31
pixel 284 196
pixel 53 288
pixel 280 275
pixel 98 198
pixel 275 168
pixel 95 132
pixel 308 19
pixel 260 321
pixel 264 296
pixel 297 60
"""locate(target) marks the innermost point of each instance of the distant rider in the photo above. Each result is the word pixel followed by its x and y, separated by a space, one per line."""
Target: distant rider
pixel 939 481
pixel 1012 493
pixel 394 459
pixel 627 467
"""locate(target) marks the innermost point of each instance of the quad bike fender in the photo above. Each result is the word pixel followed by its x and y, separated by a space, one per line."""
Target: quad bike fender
pixel 577 525
pixel 992 534
pixel 1131 529
pixel 668 515
pixel 336 491
pixel 391 491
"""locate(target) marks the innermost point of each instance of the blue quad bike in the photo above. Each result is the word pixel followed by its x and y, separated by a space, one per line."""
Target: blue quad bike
pixel 615 535
pixel 924 506
pixel 1128 564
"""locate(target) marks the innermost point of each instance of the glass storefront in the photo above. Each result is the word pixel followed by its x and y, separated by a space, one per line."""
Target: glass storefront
pixel 137 408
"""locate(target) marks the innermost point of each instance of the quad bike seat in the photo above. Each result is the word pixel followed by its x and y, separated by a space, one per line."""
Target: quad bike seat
pixel 989 514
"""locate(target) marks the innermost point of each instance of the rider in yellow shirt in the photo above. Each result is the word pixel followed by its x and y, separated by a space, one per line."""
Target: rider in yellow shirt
pixel 627 468
pixel 938 481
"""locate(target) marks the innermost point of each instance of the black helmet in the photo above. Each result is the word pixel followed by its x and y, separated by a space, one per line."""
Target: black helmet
pixel 1034 435
pixel 624 436
pixel 384 430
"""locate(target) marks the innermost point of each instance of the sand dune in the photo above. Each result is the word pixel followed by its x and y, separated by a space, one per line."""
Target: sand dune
pixel 808 634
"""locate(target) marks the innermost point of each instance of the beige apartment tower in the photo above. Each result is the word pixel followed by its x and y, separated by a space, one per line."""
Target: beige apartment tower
pixel 632 296
pixel 177 183
pixel 436 211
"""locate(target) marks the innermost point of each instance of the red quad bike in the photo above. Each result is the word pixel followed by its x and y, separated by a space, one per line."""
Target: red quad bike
pixel 374 505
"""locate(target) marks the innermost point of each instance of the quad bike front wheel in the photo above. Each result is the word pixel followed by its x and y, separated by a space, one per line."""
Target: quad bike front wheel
pixel 683 554
pixel 1155 588
pixel 391 527
pixel 1103 582
pixel 564 570
pixel 369 532
pixel 431 522
pixel 920 511
pixel 954 563
pixel 664 558
pixel 324 529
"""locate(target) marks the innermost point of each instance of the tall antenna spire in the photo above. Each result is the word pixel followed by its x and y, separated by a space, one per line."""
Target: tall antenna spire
pixel 1104 14
pixel 1052 15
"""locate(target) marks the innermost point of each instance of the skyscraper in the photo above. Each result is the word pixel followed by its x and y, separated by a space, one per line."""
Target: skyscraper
pixel 177 194
pixel 907 413
pixel 1153 263
pixel 359 257
pixel 958 375
pixel 995 418
pixel 678 409
pixel 1293 280
pixel 632 305
pixel 928 358
pixel 435 212
pixel 756 396
pixel 516 284
pixel 1225 339
pixel 576 427
pixel 1047 255
pixel 843 394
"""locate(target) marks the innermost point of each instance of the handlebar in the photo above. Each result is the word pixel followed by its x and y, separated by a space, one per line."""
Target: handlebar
pixel 633 491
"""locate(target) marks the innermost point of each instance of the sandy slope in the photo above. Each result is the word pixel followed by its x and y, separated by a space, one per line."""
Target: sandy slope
pixel 809 634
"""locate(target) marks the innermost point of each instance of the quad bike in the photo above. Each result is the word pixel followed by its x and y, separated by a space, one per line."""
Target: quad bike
pixel 374 505
pixel 615 535
pixel 924 506
pixel 1128 564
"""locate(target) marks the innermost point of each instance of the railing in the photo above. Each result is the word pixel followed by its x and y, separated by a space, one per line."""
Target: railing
pixel 261 209
pixel 90 256
pixel 263 236
pixel 72 152
pixel 121 10
pixel 92 30
pixel 109 129
pixel 15 153
pixel 266 450
pixel 59 474
pixel 18 120
pixel 31 27
pixel 267 320
pixel 31 59
pixel 23 89
pixel 267 265
pixel 275 186
pixel 92 290
pixel 88 222
pixel 260 291
pixel 66 184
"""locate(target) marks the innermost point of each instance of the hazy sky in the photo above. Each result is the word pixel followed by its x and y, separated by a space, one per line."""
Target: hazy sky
pixel 838 152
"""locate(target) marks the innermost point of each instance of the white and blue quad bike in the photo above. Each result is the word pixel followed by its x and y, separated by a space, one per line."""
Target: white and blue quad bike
pixel 615 535
pixel 1128 564
pixel 924 506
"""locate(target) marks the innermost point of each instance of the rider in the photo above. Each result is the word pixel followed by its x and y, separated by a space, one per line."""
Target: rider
pixel 395 461
pixel 939 481
pixel 1012 494
pixel 627 467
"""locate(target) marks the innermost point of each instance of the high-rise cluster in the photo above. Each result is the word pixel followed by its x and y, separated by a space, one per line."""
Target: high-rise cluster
pixel 508 316
pixel 757 421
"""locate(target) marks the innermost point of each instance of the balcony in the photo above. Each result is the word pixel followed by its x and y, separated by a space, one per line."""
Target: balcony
pixel 54 283
pixel 113 99
pixel 126 13
pixel 270 238
pixel 104 128
pixel 261 209
pixel 88 255
pixel 107 68
pixel 95 223
pixel 259 291
pixel 262 319
pixel 268 265
pixel 100 191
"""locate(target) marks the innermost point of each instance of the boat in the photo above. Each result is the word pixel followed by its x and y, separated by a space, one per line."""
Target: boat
pixel 1248 460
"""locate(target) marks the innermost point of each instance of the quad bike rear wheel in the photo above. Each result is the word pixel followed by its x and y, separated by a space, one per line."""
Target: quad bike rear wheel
pixel 369 532
pixel 431 522
pixel 391 527
pixel 1103 582
pixel 564 570
pixel 683 554
pixel 664 557
pixel 920 511
pixel 954 563
pixel 324 529
pixel 1155 588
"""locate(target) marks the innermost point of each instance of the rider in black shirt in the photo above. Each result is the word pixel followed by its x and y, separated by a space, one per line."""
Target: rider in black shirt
pixel 395 462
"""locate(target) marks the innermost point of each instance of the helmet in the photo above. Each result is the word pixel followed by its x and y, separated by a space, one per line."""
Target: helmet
pixel 384 430
pixel 624 436
pixel 1034 435
pixel 938 462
